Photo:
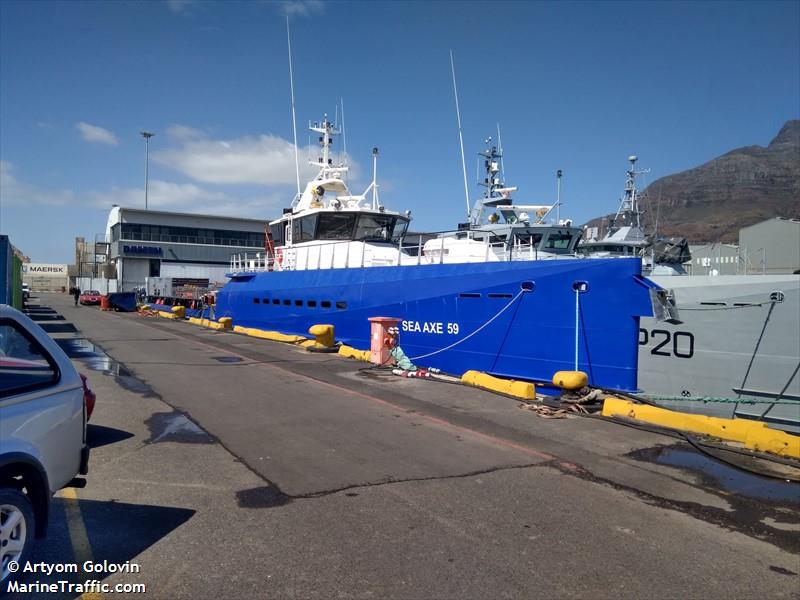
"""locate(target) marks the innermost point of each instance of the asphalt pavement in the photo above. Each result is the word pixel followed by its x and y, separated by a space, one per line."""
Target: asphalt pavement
pixel 225 466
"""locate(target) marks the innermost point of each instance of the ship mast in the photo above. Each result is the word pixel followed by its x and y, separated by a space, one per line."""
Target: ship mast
pixel 326 130
pixel 628 209
pixel 492 181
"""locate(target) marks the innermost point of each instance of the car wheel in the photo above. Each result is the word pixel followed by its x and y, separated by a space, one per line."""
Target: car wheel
pixel 17 526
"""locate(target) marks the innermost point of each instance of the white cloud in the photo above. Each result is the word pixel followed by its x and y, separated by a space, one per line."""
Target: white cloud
pixel 302 8
pixel 187 197
pixel 17 193
pixel 264 159
pixel 93 133
pixel 183 132
pixel 162 195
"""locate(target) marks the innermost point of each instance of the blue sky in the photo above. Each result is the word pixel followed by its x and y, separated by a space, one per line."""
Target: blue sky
pixel 573 86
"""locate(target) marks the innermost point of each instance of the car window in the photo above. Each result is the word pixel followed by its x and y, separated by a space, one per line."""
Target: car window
pixel 24 364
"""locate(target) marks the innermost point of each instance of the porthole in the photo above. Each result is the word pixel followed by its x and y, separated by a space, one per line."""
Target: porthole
pixel 325 304
pixel 312 304
pixel 341 305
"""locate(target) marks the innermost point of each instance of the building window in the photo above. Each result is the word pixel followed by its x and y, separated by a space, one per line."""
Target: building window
pixel 187 235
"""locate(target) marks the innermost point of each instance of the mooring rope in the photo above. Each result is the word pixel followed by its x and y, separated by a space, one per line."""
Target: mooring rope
pixel 465 338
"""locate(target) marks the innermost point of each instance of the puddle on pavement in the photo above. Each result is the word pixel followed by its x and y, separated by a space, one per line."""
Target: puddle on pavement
pixel 268 496
pixel 176 427
pixel 228 359
pixel 721 475
pixel 94 358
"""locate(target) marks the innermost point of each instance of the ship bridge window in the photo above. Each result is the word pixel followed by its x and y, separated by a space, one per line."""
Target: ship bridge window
pixel 304 228
pixel 336 226
pixel 528 239
pixel 558 241
pixel 380 227
pixel 277 233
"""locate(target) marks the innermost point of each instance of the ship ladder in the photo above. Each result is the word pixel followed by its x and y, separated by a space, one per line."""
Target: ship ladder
pixel 269 248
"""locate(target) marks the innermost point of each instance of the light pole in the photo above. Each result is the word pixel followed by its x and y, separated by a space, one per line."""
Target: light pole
pixel 146 135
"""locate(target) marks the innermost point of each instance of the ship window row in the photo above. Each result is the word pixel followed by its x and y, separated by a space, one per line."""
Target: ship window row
pixel 340 304
pixel 342 226
pixel 186 235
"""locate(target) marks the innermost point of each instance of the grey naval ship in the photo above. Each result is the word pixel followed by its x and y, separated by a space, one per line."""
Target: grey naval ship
pixel 733 348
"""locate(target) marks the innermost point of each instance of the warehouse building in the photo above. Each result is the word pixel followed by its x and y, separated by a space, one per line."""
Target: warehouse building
pixel 714 259
pixel 152 243
pixel 772 246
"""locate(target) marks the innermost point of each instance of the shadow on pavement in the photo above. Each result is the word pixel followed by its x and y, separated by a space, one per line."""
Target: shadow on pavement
pixel 117 532
pixel 100 435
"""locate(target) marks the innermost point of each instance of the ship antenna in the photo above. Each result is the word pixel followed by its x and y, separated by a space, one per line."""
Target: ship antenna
pixel 294 118
pixel 344 135
pixel 460 136
pixel 500 149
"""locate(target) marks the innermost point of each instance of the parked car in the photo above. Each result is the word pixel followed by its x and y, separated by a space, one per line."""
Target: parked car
pixel 44 407
pixel 90 297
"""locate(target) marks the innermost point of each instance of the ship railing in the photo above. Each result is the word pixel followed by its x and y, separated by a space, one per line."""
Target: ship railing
pixel 439 249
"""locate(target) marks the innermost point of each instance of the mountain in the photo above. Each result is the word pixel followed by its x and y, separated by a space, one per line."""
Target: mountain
pixel 710 203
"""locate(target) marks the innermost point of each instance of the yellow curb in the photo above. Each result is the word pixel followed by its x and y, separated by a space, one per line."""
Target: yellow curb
pixel 753 434
pixel 222 324
pixel 519 389
pixel 274 336
pixel 350 352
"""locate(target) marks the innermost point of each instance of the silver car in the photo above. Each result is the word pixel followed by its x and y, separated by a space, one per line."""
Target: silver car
pixel 43 416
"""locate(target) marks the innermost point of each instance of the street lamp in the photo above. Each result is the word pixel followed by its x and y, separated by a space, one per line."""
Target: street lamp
pixel 146 135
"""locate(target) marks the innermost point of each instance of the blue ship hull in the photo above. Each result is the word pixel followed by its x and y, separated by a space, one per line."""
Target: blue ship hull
pixel 521 333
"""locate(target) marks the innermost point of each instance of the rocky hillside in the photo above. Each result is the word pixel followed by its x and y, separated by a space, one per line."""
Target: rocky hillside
pixel 713 201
